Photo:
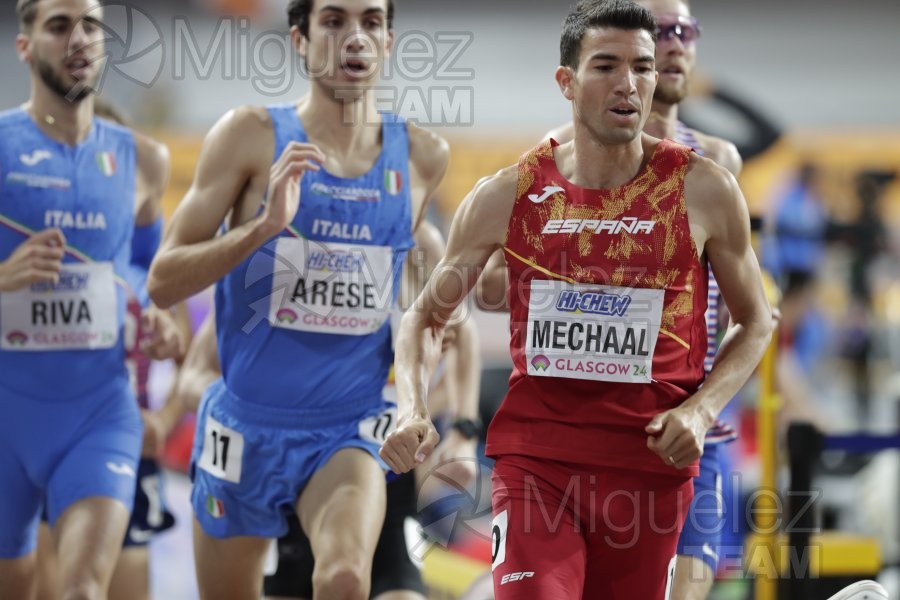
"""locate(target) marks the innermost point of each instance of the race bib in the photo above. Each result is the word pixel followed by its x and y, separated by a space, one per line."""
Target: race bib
pixel 600 333
pixel 223 451
pixel 331 288
pixel 78 313
pixel 375 429
pixel 670 577
pixel 499 526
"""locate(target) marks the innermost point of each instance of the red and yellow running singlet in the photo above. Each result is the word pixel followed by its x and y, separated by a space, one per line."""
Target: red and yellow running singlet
pixel 607 298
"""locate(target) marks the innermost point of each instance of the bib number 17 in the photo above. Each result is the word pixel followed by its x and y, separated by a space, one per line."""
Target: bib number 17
pixel 376 429
pixel 223 450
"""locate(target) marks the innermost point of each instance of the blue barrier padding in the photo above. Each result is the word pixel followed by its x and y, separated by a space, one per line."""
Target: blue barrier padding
pixel 862 443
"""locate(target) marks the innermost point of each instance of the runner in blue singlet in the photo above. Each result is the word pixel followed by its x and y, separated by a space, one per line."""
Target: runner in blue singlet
pixel 305 283
pixel 70 199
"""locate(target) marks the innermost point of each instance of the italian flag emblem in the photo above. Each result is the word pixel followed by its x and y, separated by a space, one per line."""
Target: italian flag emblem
pixel 215 507
pixel 393 182
pixel 107 163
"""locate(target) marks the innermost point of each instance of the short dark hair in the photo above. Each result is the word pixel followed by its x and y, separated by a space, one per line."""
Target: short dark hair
pixel 299 11
pixel 26 10
pixel 591 14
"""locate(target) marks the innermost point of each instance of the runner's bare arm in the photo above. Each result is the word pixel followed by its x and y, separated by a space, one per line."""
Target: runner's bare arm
pixel 201 366
pixel 429 156
pixel 490 293
pixel 478 229
pixel 37 259
pixel 420 263
pixel 721 225
pixel 233 155
pixel 153 168
pixel 727 221
pixel 455 396
pixel 721 151
pixel 234 169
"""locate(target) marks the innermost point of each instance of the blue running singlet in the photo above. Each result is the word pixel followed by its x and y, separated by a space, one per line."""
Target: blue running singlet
pixel 304 322
pixel 72 428
pixel 62 342
pixel 304 338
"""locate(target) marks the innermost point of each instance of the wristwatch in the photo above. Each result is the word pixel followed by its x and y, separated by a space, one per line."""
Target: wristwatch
pixel 468 428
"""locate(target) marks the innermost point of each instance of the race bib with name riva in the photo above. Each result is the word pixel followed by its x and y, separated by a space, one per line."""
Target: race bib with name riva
pixel 325 287
pixel 599 333
pixel 77 313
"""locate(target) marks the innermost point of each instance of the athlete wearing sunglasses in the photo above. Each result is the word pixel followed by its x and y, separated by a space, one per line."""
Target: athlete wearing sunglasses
pixel 686 29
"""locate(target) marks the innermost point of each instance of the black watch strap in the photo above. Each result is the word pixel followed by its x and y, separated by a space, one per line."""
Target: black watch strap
pixel 468 428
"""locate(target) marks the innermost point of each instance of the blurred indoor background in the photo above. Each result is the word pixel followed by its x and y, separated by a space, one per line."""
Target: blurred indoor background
pixel 808 90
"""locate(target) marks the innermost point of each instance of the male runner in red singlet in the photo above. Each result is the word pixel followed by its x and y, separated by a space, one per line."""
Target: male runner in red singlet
pixel 699 547
pixel 607 239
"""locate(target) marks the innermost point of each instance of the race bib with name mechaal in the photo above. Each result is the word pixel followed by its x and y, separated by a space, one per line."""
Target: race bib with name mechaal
pixel 600 333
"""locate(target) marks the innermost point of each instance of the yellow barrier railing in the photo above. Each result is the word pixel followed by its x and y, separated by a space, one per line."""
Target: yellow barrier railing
pixel 448 574
pixel 767 435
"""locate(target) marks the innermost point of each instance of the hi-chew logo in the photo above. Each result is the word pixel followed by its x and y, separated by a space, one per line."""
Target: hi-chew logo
pixel 69 281
pixel 336 261
pixel 598 303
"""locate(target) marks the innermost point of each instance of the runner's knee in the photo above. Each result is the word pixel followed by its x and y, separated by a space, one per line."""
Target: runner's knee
pixel 342 580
